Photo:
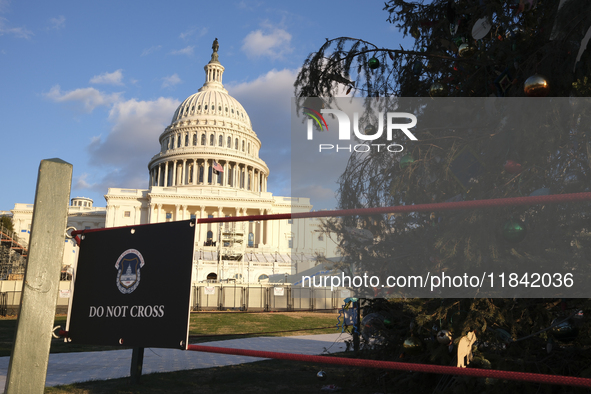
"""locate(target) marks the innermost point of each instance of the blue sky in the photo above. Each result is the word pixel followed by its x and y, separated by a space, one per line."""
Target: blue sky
pixel 96 83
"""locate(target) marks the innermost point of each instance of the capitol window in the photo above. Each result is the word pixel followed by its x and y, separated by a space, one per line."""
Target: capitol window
pixel 243 146
pixel 248 148
pixel 221 141
pixel 219 108
pixel 205 108
pixel 229 141
pixel 127 214
pixel 232 110
pixel 187 140
pixel 195 139
pixel 178 140
pixel 211 140
pixel 202 139
pixel 236 144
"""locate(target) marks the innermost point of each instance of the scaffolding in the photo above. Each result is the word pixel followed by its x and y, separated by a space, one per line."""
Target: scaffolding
pixel 232 241
pixel 13 255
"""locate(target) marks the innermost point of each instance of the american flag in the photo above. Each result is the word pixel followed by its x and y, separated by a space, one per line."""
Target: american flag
pixel 217 167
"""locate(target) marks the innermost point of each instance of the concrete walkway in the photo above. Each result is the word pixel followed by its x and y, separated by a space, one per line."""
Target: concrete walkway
pixel 65 368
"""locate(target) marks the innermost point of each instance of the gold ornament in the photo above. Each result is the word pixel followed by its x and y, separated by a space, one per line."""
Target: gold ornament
pixel 466 50
pixel 536 86
pixel 412 346
pixel 437 90
pixel 444 337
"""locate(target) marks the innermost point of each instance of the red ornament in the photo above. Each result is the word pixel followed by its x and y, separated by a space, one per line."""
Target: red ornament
pixel 512 167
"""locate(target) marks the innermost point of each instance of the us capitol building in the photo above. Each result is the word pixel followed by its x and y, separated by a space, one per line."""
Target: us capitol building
pixel 209 166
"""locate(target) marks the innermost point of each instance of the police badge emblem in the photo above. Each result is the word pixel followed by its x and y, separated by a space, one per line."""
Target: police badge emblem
pixel 128 270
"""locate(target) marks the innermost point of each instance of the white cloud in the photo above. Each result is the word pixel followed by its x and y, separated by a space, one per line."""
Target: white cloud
pixel 171 80
pixel 271 42
pixel 18 32
pixel 150 50
pixel 58 23
pixel 4 5
pixel 81 182
pixel 194 31
pixel 248 5
pixel 185 51
pixel 113 78
pixel 131 142
pixel 267 100
pixel 89 97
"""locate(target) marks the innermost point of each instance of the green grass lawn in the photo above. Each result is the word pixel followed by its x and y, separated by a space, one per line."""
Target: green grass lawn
pixel 271 376
pixel 204 325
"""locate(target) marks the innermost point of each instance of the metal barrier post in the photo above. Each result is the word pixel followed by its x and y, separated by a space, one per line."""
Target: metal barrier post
pixel 137 362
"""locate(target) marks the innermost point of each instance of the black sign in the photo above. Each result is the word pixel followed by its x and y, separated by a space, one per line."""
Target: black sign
pixel 133 285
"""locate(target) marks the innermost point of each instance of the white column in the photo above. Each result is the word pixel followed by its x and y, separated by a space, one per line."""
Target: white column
pixel 137 218
pixel 195 171
pixel 206 173
pixel 266 235
pixel 184 177
pixel 165 174
pixel 176 212
pixel 173 183
pixel 159 168
pixel 202 228
pixel 184 216
pixel 158 212
pixel 225 175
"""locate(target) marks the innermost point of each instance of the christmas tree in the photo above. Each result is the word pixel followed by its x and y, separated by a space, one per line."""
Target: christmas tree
pixel 490 137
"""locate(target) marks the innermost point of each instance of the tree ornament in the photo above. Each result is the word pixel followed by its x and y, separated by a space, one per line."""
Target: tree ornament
pixel 466 50
pixel 565 331
pixel 372 327
pixel 503 82
pixel 373 63
pixel 444 337
pixel 536 86
pixel 405 161
pixel 412 346
pixel 465 349
pixel 481 28
pixel 417 67
pixel 512 167
pixel 437 90
pixel 514 231
pixel 544 191
pixel 321 375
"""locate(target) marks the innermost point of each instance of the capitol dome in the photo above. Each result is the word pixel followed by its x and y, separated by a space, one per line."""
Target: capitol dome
pixel 210 141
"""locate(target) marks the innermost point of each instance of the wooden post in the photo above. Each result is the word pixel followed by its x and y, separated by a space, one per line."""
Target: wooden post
pixel 30 353
pixel 137 362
